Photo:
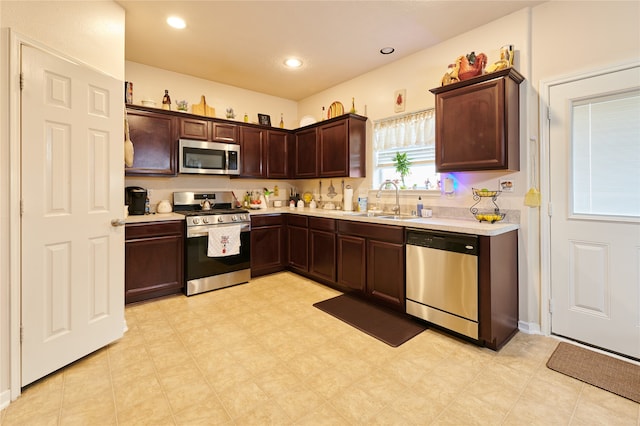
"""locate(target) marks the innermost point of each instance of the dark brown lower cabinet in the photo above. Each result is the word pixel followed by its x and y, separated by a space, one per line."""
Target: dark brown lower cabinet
pixel 352 262
pixel 154 259
pixel 498 288
pixel 267 244
pixel 297 243
pixel 371 261
pixel 385 273
pixel 322 249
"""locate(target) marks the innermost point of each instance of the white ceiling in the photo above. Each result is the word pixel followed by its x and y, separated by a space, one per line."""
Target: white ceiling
pixel 244 43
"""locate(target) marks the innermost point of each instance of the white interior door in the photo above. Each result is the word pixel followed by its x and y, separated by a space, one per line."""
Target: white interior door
pixel 594 190
pixel 72 179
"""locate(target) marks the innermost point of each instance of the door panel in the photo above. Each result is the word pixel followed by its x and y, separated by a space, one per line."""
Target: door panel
pixel 72 179
pixel 595 206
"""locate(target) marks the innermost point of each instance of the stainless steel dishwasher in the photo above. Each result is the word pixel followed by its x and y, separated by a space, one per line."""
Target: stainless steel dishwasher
pixel 442 279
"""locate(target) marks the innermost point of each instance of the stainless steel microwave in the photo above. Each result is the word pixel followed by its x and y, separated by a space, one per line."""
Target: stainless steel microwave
pixel 213 158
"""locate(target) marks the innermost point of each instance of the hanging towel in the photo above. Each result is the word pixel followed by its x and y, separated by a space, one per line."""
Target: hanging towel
pixel 224 241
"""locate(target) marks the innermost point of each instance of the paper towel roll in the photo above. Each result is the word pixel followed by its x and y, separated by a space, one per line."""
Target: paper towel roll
pixel 348 198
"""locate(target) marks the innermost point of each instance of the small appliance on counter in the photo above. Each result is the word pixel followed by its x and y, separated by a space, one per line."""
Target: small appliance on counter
pixel 135 197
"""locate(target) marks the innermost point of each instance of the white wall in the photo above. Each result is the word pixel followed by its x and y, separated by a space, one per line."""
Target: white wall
pixel 150 83
pixel 90 32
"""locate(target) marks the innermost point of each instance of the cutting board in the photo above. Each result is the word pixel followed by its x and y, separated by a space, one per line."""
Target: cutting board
pixel 203 109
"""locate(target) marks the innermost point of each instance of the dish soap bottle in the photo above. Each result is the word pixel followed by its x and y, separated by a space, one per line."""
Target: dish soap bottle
pixel 420 206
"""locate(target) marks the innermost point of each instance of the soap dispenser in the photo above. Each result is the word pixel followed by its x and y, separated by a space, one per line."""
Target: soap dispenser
pixel 419 207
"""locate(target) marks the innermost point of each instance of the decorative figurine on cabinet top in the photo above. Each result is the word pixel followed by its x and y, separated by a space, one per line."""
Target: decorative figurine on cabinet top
pixel 471 65
pixel 465 67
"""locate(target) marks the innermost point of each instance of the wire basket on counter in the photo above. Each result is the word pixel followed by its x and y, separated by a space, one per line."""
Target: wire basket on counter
pixel 488 213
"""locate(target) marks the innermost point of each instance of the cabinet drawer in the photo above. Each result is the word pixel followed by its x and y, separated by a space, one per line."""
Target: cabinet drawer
pixel 224 132
pixel 194 129
pixel 154 229
pixel 296 220
pixel 389 233
pixel 266 220
pixel 322 224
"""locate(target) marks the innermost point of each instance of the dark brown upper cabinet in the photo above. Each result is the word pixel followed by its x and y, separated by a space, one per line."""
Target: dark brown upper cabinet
pixel 252 152
pixel 331 148
pixel 277 154
pixel 478 123
pixel 154 138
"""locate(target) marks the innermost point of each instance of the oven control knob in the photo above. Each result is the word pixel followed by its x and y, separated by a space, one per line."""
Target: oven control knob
pixel 196 221
pixel 234 218
pixel 205 220
pixel 220 219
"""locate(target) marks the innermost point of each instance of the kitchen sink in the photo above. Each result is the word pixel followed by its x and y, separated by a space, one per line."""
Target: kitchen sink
pixel 398 217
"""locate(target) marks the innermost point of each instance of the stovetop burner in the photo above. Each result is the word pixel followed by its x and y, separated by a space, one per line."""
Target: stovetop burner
pixel 190 205
pixel 211 212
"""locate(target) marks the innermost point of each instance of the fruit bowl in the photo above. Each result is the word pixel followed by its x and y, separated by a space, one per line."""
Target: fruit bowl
pixel 490 217
pixel 484 192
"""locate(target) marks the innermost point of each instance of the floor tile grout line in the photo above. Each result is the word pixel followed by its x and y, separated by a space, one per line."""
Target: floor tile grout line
pixel 157 376
pixel 113 389
pixel 204 376
pixel 541 365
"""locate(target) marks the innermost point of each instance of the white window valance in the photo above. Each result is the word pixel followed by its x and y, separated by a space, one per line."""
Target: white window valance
pixel 407 131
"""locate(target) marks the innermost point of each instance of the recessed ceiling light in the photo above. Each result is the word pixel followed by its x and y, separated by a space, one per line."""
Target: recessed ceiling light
pixel 293 63
pixel 176 22
pixel 387 50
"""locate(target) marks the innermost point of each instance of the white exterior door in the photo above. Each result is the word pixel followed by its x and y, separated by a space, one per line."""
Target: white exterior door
pixel 594 191
pixel 72 182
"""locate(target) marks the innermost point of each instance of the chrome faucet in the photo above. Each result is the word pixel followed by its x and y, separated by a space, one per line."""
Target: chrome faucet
pixel 396 208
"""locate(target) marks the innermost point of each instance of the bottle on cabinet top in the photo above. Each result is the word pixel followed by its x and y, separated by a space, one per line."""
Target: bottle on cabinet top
pixel 166 100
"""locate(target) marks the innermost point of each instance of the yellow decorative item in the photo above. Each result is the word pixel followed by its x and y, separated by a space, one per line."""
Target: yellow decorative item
pixel 203 109
pixel 307 197
pixel 532 197
pixel 335 109
pixel 128 145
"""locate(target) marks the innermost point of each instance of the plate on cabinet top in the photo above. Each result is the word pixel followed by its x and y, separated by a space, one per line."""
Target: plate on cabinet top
pixel 307 120
pixel 335 109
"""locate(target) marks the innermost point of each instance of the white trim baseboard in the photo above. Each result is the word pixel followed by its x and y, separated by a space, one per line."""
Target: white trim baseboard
pixel 529 327
pixel 5 399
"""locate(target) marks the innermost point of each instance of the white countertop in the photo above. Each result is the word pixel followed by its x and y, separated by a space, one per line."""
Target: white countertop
pixel 469 226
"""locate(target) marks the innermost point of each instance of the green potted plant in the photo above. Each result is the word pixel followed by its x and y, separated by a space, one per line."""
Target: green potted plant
pixel 402 164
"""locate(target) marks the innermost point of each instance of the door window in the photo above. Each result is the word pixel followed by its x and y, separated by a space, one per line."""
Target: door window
pixel 606 155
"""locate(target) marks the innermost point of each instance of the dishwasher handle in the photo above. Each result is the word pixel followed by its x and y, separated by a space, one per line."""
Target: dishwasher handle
pixel 447 241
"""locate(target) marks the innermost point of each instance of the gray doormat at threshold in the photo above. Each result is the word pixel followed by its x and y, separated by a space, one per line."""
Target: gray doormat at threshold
pixel 385 325
pixel 608 373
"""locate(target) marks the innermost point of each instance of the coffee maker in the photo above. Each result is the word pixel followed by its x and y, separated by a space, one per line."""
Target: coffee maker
pixel 135 197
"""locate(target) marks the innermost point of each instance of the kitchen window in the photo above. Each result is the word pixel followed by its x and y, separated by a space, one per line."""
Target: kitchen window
pixel 413 134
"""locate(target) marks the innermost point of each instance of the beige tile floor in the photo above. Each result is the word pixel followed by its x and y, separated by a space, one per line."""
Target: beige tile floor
pixel 259 353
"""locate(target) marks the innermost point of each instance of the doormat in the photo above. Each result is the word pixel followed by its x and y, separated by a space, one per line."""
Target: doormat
pixel 385 325
pixel 608 373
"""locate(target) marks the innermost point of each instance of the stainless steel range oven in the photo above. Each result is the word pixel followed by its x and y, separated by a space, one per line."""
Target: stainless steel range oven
pixel 207 213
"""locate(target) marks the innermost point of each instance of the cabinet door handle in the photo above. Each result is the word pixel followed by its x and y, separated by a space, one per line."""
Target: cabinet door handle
pixel 117 222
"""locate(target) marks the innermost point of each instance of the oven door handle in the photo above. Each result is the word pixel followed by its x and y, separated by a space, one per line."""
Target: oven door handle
pixel 203 231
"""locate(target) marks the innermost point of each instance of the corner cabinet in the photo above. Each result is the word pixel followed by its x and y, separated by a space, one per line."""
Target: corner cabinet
pixel 477 123
pixel 268 244
pixel 154 136
pixel 331 148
